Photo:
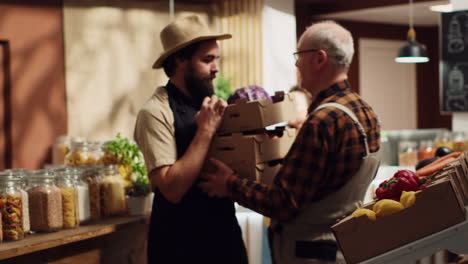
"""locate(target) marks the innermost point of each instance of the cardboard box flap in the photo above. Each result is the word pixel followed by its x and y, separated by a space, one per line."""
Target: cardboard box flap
pixel 278 112
pixel 252 115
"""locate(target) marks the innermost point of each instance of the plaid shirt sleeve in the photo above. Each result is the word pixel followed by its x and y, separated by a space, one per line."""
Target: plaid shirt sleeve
pixel 296 183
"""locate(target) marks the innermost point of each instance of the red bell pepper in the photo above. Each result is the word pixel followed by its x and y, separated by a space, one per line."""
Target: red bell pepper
pixel 383 191
pixel 403 180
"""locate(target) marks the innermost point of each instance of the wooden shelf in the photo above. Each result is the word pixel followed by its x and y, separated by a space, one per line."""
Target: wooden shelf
pixel 43 241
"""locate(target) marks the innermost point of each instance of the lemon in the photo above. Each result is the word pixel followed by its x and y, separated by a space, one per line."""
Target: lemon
pixel 407 199
pixel 386 207
pixel 363 211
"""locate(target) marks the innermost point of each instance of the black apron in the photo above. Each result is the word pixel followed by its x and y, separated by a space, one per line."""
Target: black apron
pixel 199 229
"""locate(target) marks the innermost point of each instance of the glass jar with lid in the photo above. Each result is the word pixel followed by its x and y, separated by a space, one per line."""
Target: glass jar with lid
pixel 94 177
pixel 426 149
pixel 80 154
pixel 113 201
pixel 459 140
pixel 82 187
pixel 22 175
pixel 11 207
pixel 60 150
pixel 407 153
pixel 65 180
pixel 45 202
pixel 97 151
pixel 444 139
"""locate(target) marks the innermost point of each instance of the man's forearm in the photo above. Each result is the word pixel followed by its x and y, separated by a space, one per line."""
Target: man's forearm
pixel 181 175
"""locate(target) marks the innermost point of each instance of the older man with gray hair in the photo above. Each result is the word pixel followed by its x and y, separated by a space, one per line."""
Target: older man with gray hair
pixel 329 167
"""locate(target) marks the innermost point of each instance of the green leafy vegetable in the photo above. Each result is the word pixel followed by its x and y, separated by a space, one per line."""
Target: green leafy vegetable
pixel 128 153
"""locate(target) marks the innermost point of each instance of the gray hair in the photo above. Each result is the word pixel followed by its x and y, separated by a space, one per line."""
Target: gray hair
pixel 334 39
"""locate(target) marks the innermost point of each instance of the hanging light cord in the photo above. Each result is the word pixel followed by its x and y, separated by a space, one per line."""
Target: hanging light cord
pixel 411 31
pixel 171 10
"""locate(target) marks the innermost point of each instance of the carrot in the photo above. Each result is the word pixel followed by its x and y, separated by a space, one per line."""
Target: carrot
pixel 434 166
pixel 438 164
pixel 454 154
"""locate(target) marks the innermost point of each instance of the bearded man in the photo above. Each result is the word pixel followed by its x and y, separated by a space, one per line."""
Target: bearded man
pixel 174 130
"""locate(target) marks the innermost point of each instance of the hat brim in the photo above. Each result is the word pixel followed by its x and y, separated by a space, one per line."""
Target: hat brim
pixel 158 63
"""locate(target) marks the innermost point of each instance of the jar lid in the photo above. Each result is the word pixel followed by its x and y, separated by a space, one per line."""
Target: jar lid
pixel 67 171
pixel 18 172
pixel 79 144
pixel 42 174
pixel 9 177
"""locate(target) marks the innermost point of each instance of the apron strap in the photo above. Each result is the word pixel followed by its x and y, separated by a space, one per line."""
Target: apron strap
pixel 351 114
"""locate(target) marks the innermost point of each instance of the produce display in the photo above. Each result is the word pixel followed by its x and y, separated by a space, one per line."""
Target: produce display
pixel 395 194
pixel 11 209
pixel 386 207
pixel 403 180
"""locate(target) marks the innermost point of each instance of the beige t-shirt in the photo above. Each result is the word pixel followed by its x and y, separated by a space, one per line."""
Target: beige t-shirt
pixel 154 131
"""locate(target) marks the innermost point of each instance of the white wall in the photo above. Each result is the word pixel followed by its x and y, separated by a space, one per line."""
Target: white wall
pixel 389 87
pixel 279 42
pixel 459 120
pixel 109 51
pixel 459 4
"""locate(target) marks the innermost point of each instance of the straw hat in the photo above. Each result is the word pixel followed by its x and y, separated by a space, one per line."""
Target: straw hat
pixel 183 32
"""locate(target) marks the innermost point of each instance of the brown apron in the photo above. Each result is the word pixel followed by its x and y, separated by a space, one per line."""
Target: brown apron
pixel 308 238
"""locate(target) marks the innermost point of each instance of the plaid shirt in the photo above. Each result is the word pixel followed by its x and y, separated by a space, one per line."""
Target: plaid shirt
pixel 327 152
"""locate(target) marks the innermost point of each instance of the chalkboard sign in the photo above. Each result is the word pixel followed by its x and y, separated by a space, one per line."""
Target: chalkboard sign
pixel 454 66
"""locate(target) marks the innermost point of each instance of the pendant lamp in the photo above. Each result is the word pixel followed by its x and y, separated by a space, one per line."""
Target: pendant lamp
pixel 412 51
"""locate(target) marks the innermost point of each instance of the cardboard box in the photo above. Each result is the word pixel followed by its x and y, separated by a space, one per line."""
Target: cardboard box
pixel 252 115
pixel 438 207
pixel 251 148
pixel 266 173
pixel 263 172
pixel 458 186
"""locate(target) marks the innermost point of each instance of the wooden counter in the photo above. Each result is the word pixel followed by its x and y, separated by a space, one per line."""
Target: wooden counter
pixel 113 240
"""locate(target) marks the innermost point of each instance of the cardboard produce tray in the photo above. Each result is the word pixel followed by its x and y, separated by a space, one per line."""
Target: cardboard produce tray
pixel 438 207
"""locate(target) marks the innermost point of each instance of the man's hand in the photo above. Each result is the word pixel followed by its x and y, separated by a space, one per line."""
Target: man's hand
pixel 215 184
pixel 210 115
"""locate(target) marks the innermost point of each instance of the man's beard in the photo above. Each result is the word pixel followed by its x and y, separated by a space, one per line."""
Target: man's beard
pixel 199 87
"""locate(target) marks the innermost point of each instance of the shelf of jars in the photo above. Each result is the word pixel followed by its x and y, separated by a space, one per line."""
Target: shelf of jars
pixel 43 241
pixel 91 190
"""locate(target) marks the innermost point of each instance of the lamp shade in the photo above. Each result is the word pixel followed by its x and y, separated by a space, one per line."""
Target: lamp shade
pixel 412 52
